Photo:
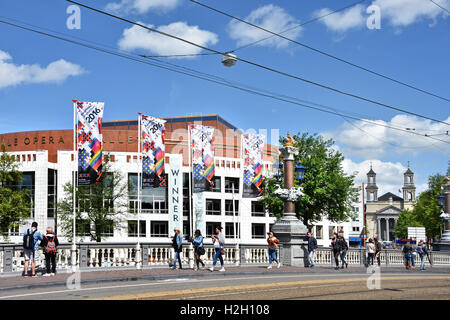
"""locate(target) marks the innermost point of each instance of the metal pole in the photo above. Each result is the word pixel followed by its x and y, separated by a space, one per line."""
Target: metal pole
pixel 364 217
pixel 138 244
pixel 191 214
pixel 75 173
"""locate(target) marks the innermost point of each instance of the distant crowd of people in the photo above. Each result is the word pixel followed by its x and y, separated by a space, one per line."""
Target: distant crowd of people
pixel 32 239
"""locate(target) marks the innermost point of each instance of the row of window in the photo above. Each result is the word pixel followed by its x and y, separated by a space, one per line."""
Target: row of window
pixel 160 229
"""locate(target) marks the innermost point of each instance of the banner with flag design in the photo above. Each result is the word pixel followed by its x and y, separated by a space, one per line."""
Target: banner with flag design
pixel 202 157
pixel 89 142
pixel 153 152
pixel 253 145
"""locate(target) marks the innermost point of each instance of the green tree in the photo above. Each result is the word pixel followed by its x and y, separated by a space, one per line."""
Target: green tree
pixel 15 202
pixel 426 212
pixel 328 191
pixel 100 207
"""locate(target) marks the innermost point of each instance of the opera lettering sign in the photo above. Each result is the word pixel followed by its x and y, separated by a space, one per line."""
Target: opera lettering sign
pixel 33 140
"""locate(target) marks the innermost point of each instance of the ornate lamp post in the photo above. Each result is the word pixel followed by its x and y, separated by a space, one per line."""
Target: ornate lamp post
pixel 444 203
pixel 289 230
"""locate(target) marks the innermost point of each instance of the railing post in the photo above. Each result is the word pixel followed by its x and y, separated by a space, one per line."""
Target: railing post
pixel 242 255
pixel 387 256
pixel 83 256
pixel 145 255
pixel 362 256
pixel 236 255
pixel 191 255
pixel 8 259
pixel 138 256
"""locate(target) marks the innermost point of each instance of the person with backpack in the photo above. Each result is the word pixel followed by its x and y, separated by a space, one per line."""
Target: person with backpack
pixel 177 244
pixel 312 247
pixel 378 249
pixel 343 248
pixel 422 252
pixel 49 243
pixel 199 250
pixel 219 244
pixel 31 238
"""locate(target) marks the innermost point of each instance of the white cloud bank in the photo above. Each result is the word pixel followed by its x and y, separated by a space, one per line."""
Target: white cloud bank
pixel 137 37
pixel 141 6
pixel 269 17
pixel 57 71
pixel 368 140
pixel 398 13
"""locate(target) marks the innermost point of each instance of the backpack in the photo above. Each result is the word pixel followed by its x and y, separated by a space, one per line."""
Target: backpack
pixel 50 247
pixel 28 240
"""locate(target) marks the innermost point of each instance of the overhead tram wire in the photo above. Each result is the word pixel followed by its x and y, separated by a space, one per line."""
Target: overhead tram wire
pixel 443 8
pixel 298 25
pixel 210 79
pixel 323 52
pixel 262 66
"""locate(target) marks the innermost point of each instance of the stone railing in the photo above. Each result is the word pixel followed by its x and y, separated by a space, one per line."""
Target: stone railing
pixel 101 256
pixel 388 257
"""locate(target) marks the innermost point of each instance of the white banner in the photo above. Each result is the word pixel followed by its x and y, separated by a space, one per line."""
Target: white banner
pixel 199 212
pixel 175 192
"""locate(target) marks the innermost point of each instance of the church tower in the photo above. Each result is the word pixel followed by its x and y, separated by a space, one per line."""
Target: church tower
pixel 409 189
pixel 372 189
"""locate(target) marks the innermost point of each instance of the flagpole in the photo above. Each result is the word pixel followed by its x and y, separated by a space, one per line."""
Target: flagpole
pixel 138 244
pixel 191 207
pixel 75 173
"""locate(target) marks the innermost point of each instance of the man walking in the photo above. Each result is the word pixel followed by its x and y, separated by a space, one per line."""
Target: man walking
pixel 31 239
pixel 312 246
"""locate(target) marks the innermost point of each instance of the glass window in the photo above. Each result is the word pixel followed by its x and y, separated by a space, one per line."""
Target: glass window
pixel 229 207
pixel 258 230
pixel 216 185
pixel 159 229
pixel 211 228
pixel 83 227
pixel 132 228
pixel 213 207
pixel 230 183
pixel 154 200
pixel 108 229
pixel 257 209
pixel 319 232
pixel 331 231
pixel 229 230
pixel 52 195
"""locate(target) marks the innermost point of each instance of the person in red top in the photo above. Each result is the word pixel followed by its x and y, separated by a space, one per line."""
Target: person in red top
pixel 272 241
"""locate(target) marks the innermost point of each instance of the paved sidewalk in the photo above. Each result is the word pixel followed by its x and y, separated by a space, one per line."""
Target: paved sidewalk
pixel 91 276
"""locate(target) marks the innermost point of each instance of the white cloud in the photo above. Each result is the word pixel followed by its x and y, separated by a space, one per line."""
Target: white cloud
pixel 398 13
pixel 57 71
pixel 269 17
pixel 389 175
pixel 141 6
pixel 368 140
pixel 351 18
pixel 139 38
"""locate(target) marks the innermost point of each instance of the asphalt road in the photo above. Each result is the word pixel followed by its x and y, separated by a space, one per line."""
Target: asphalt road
pixel 328 286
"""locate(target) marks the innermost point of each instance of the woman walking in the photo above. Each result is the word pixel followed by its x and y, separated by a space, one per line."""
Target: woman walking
pixel 378 251
pixel 199 250
pixel 219 243
pixel 335 250
pixel 177 244
pixel 272 242
pixel 371 249
pixel 343 248
pixel 50 242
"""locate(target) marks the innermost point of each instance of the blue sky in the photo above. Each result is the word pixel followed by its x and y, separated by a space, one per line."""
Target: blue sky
pixel 39 76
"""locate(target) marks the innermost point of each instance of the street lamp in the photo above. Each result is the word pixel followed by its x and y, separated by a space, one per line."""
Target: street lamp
pixel 277 170
pixel 300 172
pixel 441 200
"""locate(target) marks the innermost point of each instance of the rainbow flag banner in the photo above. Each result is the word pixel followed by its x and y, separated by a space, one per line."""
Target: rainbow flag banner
pixel 153 152
pixel 202 157
pixel 253 145
pixel 89 142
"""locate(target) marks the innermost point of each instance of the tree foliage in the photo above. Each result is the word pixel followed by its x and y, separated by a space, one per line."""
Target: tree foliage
pixel 100 207
pixel 426 212
pixel 15 203
pixel 328 191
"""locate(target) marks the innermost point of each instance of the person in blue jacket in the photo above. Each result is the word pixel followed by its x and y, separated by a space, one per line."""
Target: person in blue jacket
pixel 177 243
pixel 199 250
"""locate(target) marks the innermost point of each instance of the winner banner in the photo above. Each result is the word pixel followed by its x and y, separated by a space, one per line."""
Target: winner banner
pixel 253 145
pixel 153 152
pixel 202 157
pixel 89 142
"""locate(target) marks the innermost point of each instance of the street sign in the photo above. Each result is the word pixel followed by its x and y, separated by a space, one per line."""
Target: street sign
pixel 417 233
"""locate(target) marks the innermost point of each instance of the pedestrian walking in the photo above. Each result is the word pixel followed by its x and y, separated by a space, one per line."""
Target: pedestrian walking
pixel 407 250
pixel 413 256
pixel 199 250
pixel 312 247
pixel 177 244
pixel 378 249
pixel 50 243
pixel 219 244
pixel 371 249
pixel 31 238
pixel 273 244
pixel 422 252
pixel 343 248
pixel 335 250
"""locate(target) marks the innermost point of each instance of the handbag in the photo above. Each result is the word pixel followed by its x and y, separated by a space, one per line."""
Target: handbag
pixel 201 251
pixel 222 252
